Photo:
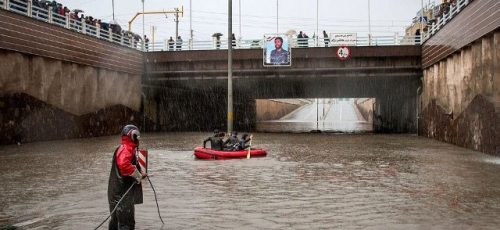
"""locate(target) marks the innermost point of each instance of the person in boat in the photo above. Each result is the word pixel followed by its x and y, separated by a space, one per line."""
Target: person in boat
pixel 232 142
pixel 245 138
pixel 125 173
pixel 216 142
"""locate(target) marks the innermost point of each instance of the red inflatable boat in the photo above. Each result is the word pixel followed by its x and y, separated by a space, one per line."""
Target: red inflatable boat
pixel 203 153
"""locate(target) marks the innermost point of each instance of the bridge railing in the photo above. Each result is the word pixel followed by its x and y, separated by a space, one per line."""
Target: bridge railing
pixel 445 18
pixel 26 7
pixel 125 38
pixel 293 42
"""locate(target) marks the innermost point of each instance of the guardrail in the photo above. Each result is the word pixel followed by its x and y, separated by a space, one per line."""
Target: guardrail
pixel 294 43
pixel 445 18
pixel 26 7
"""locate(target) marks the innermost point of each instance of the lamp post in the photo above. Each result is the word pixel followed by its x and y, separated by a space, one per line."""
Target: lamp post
pixel 230 66
pixel 190 25
pixel 317 23
pixel 421 21
pixel 369 25
pixel 143 39
pixel 239 14
pixel 113 6
pixel 277 26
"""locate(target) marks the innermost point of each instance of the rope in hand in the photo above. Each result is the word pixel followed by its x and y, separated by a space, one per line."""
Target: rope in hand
pixel 128 190
pixel 157 206
pixel 116 206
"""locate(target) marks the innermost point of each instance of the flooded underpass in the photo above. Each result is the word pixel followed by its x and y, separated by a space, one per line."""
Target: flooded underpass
pixel 307 181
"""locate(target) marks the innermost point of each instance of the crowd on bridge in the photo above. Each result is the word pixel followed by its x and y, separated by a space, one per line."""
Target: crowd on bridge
pixel 57 8
pixel 432 15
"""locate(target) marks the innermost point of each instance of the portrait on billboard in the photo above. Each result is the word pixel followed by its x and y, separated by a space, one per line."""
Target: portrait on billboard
pixel 277 51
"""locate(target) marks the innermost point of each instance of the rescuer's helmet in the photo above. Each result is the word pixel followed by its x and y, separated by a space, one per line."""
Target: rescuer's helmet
pixel 132 132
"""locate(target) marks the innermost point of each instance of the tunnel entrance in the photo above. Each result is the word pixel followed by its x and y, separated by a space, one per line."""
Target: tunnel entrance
pixel 343 115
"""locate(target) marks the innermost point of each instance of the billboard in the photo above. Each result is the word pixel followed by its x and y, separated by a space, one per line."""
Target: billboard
pixel 277 51
pixel 343 39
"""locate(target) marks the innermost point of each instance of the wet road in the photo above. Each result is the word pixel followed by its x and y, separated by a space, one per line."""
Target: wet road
pixel 308 181
pixel 332 116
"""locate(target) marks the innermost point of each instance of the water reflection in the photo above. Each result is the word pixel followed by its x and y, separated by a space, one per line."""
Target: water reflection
pixel 306 181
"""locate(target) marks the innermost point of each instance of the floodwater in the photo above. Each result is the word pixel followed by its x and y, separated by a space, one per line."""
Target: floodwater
pixel 307 181
pixel 324 115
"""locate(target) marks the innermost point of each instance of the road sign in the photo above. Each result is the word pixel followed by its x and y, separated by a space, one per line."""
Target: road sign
pixel 343 53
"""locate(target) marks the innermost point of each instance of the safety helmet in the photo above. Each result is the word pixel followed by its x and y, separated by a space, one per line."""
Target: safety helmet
pixel 132 132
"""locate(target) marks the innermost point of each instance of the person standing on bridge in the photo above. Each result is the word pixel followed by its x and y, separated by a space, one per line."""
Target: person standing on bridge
pixel 279 56
pixel 178 43
pixel 171 44
pixel 326 39
pixel 125 174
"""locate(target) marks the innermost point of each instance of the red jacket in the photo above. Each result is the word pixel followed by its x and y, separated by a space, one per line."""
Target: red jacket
pixel 125 156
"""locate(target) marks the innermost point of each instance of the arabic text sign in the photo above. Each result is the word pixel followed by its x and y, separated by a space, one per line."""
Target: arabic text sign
pixel 343 39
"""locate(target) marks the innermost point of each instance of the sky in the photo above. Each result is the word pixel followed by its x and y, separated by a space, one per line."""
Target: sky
pixel 258 17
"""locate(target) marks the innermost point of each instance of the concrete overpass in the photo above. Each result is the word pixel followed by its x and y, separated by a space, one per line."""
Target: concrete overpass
pixel 389 73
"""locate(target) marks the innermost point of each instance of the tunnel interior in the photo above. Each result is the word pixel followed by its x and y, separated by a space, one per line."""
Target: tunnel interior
pixel 338 115
pixel 201 104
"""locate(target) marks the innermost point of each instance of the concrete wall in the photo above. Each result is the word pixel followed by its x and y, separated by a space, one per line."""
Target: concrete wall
pixel 45 99
pixel 461 97
pixel 275 109
pixel 56 83
pixel 74 88
pixel 365 107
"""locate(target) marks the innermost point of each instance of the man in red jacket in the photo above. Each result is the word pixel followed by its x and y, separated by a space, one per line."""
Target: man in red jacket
pixel 125 173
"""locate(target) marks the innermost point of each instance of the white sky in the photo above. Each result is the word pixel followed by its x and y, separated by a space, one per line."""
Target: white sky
pixel 258 17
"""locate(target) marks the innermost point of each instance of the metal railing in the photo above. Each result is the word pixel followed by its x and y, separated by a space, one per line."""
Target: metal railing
pixel 294 43
pixel 26 7
pixel 125 38
pixel 445 18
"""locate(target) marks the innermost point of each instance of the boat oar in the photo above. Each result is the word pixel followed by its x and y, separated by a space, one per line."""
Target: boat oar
pixel 249 147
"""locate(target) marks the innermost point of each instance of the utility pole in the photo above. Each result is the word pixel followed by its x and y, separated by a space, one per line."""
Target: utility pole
pixel 154 12
pixel 317 23
pixel 176 23
pixel 239 13
pixel 422 22
pixel 153 31
pixel 369 25
pixel 113 6
pixel 143 40
pixel 190 25
pixel 277 25
pixel 229 67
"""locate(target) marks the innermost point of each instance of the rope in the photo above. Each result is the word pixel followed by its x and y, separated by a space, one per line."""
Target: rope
pixel 116 206
pixel 157 206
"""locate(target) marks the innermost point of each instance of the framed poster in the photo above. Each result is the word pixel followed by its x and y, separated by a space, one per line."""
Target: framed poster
pixel 277 51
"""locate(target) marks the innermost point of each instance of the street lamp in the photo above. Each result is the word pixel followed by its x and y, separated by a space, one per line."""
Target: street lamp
pixel 230 66
pixel 369 25
pixel 277 8
pixel 143 39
